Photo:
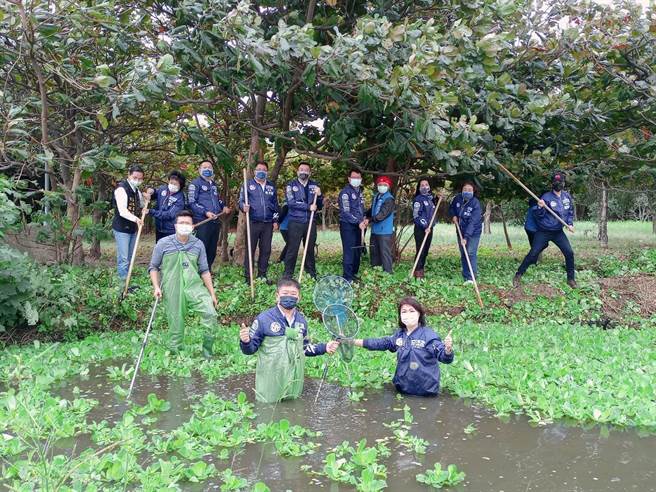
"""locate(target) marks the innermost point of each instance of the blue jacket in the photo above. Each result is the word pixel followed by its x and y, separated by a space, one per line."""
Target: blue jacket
pixel 563 206
pixel 203 197
pixel 351 205
pixel 529 222
pixel 262 200
pixel 166 208
pixel 272 323
pixel 284 215
pixel 422 210
pixel 417 357
pixel 382 214
pixel 299 199
pixel 469 214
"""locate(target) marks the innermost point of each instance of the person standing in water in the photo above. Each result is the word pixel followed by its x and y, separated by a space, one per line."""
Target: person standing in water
pixel 419 350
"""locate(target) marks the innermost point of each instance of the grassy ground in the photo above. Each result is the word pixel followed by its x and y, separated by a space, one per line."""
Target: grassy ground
pixel 541 350
pixel 623 236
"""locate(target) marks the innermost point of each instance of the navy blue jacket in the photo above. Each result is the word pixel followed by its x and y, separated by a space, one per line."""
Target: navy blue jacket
pixel 263 202
pixel 417 357
pixel 563 206
pixel 167 206
pixel 469 214
pixel 530 223
pixel 351 205
pixel 272 323
pixel 203 197
pixel 422 210
pixel 299 199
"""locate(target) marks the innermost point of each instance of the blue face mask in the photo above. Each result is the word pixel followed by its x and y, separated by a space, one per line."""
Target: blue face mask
pixel 288 302
pixel 207 173
pixel 468 195
pixel 260 175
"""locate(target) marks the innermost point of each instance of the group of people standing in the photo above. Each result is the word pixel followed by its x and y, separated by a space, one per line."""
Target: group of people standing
pixel 180 266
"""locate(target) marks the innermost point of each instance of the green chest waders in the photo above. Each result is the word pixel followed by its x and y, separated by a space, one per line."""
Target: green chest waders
pixel 184 293
pixel 280 367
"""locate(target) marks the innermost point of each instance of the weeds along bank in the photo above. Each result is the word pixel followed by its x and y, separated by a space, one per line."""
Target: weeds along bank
pixel 542 352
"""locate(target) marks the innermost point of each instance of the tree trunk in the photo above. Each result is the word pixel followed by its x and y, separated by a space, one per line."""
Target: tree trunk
pixel 603 215
pixel 98 216
pixel 505 228
pixel 487 218
pixel 253 151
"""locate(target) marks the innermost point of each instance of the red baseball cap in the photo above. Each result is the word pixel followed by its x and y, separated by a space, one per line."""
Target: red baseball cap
pixel 384 179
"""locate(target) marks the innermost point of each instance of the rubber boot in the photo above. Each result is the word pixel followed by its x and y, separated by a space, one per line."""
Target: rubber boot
pixel 517 280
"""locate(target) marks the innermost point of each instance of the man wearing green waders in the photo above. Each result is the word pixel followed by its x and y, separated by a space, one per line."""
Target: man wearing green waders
pixel 279 336
pixel 186 282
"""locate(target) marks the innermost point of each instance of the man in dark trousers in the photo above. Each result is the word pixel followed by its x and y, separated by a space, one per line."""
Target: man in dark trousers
pixel 263 213
pixel 352 223
pixel 203 195
pixel 128 203
pixel 550 229
pixel 300 194
pixel 381 215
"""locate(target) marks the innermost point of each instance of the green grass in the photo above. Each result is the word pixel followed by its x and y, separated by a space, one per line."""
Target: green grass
pixel 539 356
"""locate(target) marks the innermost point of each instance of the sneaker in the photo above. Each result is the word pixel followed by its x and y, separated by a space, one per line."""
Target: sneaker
pixel 467 282
pixel 132 289
pixel 419 274
pixel 517 280
pixel 572 284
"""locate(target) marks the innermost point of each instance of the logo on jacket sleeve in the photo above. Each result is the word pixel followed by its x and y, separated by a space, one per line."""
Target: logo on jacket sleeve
pixel 399 342
pixel 275 327
pixel 251 187
pixel 295 188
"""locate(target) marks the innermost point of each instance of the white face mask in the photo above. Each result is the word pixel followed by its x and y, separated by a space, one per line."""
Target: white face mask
pixel 356 182
pixel 382 189
pixel 135 182
pixel 410 319
pixel 184 229
pixel 173 188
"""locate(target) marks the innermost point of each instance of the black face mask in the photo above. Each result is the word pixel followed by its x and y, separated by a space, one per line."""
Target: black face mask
pixel 557 186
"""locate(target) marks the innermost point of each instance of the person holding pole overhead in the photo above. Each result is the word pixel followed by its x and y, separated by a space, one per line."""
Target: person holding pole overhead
pixel 423 208
pixel 170 200
pixel 203 195
pixel 550 228
pixel 465 210
pixel 301 194
pixel 419 350
pixel 263 211
pixel 129 211
pixel 352 224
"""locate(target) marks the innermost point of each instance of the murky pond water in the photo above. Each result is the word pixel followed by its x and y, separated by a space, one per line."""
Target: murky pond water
pixel 508 455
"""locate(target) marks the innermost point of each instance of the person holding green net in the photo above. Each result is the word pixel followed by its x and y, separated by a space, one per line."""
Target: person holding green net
pixel 419 350
pixel 186 282
pixel 280 338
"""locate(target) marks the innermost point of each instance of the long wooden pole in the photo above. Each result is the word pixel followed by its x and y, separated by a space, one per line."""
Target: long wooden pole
pixel 248 237
pixel 471 270
pixel 134 252
pixel 209 219
pixel 558 218
pixel 307 239
pixel 423 242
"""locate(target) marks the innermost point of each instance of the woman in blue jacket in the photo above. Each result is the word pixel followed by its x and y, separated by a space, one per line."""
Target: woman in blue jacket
pixel 423 207
pixel 465 209
pixel 170 200
pixel 419 350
